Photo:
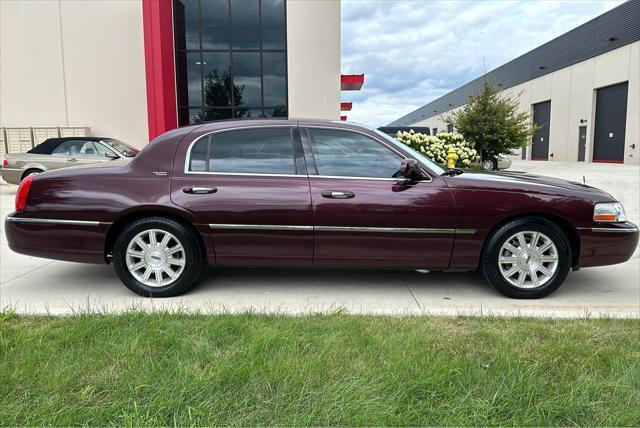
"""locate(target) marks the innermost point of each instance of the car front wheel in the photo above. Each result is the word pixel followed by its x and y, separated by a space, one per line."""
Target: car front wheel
pixel 157 257
pixel 490 165
pixel 527 258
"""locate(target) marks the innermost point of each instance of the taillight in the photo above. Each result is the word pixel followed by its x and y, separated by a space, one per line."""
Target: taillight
pixel 23 192
pixel 5 162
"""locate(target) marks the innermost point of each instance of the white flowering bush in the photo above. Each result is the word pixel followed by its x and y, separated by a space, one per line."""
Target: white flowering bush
pixel 436 147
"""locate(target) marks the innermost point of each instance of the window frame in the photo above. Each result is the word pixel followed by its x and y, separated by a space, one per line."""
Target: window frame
pixel 233 109
pixel 310 157
pixel 299 172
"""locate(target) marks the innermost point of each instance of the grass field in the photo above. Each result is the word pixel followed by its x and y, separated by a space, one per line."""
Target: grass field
pixel 178 369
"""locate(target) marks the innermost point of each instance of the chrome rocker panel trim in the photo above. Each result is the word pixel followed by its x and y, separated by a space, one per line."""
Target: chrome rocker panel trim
pixel 52 221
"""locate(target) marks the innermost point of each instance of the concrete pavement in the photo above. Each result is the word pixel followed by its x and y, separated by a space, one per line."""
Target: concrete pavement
pixel 32 285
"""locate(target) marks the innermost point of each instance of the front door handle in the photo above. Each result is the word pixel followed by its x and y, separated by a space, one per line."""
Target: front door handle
pixel 333 194
pixel 72 160
pixel 199 190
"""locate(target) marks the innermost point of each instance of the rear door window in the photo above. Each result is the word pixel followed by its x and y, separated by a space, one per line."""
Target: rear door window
pixel 246 151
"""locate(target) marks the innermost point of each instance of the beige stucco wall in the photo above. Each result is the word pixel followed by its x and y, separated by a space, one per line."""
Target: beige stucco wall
pixel 572 92
pixel 74 63
pixel 313 55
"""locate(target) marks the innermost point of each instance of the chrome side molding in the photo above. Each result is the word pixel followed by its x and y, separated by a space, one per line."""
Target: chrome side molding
pixel 52 221
pixel 227 226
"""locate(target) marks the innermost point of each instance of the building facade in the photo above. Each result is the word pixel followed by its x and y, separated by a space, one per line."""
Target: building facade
pixel 135 69
pixel 582 89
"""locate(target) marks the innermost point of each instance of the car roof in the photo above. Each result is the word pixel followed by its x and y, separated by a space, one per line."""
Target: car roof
pixel 240 123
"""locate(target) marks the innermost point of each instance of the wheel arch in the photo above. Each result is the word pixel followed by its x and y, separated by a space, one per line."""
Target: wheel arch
pixel 569 230
pixel 129 217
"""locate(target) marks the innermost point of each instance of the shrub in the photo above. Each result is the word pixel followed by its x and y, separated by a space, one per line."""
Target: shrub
pixel 437 147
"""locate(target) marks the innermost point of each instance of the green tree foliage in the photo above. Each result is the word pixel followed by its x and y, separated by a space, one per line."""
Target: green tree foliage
pixel 492 122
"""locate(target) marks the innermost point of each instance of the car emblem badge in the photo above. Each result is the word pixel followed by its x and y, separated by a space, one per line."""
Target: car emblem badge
pixel 160 173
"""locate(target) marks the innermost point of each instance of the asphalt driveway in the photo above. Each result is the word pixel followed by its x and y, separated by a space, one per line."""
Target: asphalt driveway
pixel 33 285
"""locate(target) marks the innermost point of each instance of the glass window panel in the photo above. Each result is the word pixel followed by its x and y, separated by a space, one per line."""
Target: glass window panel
pixel 273 24
pixel 215 24
pixel 246 70
pixel 197 115
pixel 245 24
pixel 217 78
pixel 187 24
pixel 280 111
pixel 217 113
pixel 258 151
pixel 274 66
pixel 348 154
pixel 198 159
pixel 248 112
pixel 194 78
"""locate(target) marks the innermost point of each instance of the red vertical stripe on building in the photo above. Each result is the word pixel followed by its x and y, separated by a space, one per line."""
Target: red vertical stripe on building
pixel 159 66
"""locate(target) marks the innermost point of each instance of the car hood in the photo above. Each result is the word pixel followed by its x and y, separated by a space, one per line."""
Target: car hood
pixel 525 182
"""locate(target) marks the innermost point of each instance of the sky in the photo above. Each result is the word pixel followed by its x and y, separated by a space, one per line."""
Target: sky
pixel 414 51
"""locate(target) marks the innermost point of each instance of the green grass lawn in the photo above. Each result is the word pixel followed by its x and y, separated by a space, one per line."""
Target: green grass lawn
pixel 175 369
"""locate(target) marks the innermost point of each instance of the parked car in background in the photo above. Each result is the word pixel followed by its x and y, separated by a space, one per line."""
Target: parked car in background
pixel 57 153
pixel 289 193
pixel 496 164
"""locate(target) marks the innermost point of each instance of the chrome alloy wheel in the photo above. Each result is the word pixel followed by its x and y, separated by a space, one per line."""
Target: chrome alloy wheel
pixel 155 258
pixel 528 259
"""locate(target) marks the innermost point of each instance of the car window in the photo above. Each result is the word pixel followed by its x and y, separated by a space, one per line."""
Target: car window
pixel 82 149
pixel 62 149
pixel 102 150
pixel 257 151
pixel 349 154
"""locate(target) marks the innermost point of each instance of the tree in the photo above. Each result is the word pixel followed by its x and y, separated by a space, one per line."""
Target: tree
pixel 493 123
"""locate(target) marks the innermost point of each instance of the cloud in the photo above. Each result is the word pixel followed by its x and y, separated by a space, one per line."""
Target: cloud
pixel 413 51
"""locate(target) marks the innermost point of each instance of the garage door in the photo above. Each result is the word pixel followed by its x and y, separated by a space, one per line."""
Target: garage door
pixel 611 120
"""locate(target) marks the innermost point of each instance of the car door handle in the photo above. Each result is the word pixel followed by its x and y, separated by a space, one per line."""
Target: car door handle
pixel 199 190
pixel 72 160
pixel 333 194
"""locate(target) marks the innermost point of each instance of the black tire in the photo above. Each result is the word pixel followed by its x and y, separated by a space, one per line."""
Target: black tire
pixel 29 172
pixel 489 262
pixel 490 165
pixel 192 257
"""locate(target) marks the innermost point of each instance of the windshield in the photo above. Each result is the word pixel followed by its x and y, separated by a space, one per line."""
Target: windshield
pixel 123 148
pixel 434 167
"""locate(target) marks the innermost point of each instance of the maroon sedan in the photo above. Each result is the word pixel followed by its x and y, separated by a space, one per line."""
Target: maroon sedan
pixel 312 194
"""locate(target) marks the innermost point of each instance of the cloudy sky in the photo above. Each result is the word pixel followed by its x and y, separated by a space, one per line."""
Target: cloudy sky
pixel 413 51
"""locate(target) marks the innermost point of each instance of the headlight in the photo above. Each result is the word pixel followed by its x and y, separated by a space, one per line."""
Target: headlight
pixel 609 212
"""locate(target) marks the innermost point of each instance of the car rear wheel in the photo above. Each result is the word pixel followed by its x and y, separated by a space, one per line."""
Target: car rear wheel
pixel 157 257
pixel 29 172
pixel 527 258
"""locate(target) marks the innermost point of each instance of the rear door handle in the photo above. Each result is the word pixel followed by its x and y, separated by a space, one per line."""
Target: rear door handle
pixel 199 190
pixel 334 194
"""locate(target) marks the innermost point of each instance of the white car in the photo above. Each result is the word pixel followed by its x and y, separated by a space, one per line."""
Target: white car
pixel 496 164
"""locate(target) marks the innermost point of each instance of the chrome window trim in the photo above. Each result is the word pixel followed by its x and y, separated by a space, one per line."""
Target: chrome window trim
pixel 249 174
pixel 52 221
pixel 613 230
pixel 361 178
pixel 424 230
pixel 428 172
pixel 236 128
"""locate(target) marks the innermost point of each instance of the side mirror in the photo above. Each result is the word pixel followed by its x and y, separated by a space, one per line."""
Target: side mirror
pixel 111 155
pixel 409 168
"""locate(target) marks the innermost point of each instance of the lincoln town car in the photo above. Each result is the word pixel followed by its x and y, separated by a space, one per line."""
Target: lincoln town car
pixel 299 193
